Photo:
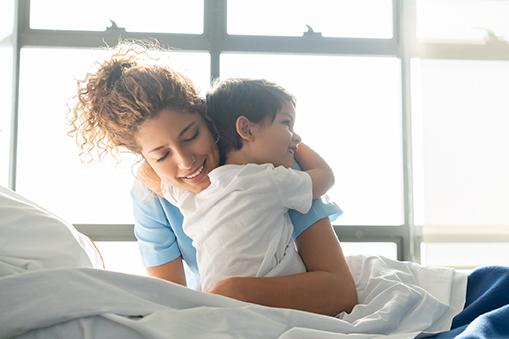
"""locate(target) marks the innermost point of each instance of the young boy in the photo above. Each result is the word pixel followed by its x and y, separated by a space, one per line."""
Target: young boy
pixel 239 224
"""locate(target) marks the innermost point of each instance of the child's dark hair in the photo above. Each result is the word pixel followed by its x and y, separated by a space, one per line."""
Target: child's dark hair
pixel 255 99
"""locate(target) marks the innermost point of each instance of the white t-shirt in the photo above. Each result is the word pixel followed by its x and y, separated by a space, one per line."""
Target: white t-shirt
pixel 239 225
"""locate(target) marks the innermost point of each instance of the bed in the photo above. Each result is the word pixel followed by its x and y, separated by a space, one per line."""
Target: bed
pixel 52 285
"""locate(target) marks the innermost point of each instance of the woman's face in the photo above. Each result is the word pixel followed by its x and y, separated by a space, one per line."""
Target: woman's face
pixel 180 148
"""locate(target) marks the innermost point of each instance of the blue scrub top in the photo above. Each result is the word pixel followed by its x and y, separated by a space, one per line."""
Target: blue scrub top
pixel 161 239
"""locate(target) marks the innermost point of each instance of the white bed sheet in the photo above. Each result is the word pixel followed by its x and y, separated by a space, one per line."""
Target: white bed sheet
pixel 396 300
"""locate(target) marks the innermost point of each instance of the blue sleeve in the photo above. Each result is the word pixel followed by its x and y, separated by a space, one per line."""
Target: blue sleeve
pixel 156 238
pixel 321 208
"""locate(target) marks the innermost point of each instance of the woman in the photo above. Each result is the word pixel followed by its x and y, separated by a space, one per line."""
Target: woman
pixel 156 112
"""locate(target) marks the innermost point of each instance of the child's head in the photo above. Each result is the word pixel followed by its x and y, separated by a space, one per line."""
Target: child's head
pixel 255 117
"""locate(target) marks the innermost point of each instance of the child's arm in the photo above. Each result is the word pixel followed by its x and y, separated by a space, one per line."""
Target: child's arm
pixel 321 174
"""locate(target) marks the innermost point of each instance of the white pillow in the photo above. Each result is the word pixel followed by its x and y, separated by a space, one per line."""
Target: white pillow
pixel 32 238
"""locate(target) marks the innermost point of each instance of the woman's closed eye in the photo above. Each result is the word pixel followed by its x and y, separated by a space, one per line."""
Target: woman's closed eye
pixel 190 138
pixel 193 136
pixel 163 157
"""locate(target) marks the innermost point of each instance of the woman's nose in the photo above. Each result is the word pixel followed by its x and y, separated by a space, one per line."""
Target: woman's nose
pixel 184 159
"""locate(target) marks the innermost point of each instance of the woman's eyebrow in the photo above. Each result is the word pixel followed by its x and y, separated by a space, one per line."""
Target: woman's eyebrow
pixel 156 149
pixel 182 132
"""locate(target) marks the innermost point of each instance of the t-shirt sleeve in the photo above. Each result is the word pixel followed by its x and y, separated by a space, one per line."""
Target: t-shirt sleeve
pixel 294 188
pixel 156 238
pixel 175 195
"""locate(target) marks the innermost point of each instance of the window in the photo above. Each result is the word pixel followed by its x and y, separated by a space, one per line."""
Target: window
pixel 361 139
pixel 407 100
pixel 386 249
pixel 331 18
pixel 462 20
pixel 461 189
pixel 6 54
pixel 80 193
pixel 461 115
pixel 121 256
pixel 95 15
pixel 6 81
pixel 467 255
pixel 7 22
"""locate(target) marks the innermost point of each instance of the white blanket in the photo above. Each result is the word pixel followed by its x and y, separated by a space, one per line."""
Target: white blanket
pixel 396 300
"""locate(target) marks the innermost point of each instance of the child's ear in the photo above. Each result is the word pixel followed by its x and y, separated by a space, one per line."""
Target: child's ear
pixel 244 128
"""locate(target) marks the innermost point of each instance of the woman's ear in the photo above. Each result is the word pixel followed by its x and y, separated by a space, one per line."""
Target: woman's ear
pixel 244 128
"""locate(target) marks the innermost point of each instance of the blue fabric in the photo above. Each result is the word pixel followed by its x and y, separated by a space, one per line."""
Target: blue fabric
pixel 161 239
pixel 486 311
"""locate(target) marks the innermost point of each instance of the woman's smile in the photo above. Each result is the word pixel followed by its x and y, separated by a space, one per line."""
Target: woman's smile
pixel 197 176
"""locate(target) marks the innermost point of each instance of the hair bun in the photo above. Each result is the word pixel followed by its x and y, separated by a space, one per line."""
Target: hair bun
pixel 116 70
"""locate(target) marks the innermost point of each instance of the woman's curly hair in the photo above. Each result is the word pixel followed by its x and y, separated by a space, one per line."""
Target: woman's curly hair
pixel 124 92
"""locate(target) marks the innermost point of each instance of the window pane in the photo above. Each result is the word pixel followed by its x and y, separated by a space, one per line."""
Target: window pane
pixel 6 56
pixel 333 18
pixel 6 19
pixel 386 249
pixel 94 15
pixel 6 70
pixel 49 170
pixel 348 109
pixel 460 122
pixel 464 255
pixel 462 19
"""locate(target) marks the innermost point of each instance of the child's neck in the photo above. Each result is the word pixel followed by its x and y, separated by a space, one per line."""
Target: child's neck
pixel 239 157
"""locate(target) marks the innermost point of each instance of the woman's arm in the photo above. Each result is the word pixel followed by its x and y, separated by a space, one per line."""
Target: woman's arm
pixel 327 288
pixel 156 229
pixel 172 271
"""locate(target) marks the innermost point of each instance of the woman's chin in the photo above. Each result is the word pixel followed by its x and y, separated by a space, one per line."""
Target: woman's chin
pixel 196 185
